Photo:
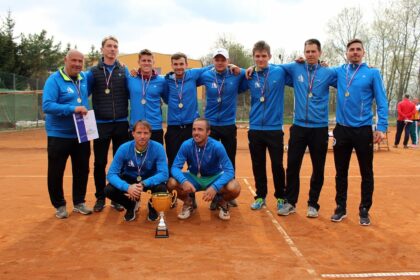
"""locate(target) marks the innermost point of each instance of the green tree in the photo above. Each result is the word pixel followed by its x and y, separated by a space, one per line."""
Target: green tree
pixel 39 55
pixel 92 57
pixel 8 47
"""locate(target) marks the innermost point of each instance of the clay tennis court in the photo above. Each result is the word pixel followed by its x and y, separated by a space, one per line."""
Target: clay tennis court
pixel 252 245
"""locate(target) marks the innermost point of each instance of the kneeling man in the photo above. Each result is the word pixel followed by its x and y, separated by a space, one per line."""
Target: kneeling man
pixel 209 170
pixel 139 165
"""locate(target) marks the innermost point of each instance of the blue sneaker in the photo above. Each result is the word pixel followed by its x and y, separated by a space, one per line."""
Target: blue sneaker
pixel 280 203
pixel 258 204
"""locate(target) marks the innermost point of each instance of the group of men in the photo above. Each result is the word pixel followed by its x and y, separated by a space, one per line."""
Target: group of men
pixel 141 164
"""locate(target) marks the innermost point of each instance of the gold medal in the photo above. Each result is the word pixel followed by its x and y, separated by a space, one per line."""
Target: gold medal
pixel 143 101
pixel 198 175
pixel 138 179
pixel 79 100
pixel 347 94
pixel 107 91
pixel 262 99
pixel 310 94
pixel 219 99
pixel 180 105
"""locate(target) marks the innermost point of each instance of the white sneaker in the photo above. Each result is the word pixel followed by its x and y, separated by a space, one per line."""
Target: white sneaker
pixel 61 212
pixel 224 213
pixel 312 212
pixel 186 212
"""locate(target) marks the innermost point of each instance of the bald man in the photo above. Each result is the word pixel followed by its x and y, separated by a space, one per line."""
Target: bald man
pixel 65 93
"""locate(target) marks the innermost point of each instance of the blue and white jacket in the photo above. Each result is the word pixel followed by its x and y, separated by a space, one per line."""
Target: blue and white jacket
pixel 311 108
pixel 127 161
pixel 213 162
pixel 151 111
pixel 355 108
pixel 222 113
pixel 59 101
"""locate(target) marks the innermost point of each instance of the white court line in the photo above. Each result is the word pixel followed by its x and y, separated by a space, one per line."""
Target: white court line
pixel 286 237
pixel 369 275
pixel 355 176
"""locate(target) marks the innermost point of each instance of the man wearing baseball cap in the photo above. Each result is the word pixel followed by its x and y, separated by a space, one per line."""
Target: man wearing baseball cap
pixel 222 88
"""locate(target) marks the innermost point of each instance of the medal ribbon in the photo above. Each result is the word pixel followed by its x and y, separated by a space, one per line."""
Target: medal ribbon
pixel 352 77
pixel 219 90
pixel 107 80
pixel 76 84
pixel 140 166
pixel 199 160
pixel 262 89
pixel 311 81
pixel 145 87
pixel 182 87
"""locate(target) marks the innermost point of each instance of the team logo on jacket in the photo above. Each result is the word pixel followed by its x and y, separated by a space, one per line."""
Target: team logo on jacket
pixel 214 85
pixel 70 90
pixel 300 78
pixel 130 163
pixel 257 85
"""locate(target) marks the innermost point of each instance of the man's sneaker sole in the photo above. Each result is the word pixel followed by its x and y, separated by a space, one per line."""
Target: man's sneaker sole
pixel 117 207
pixel 291 211
pixel 82 212
pixel 132 218
pixel 339 220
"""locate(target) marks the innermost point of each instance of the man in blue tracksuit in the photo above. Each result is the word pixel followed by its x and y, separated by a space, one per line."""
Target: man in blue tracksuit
pixel 222 89
pixel 209 170
pixel 107 84
pixel 357 87
pixel 147 89
pixel 65 93
pixel 311 84
pixel 182 103
pixel 266 124
pixel 139 165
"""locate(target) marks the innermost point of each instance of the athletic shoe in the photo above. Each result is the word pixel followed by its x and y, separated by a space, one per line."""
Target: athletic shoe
pixel 280 203
pixel 82 209
pixel 312 212
pixel 233 203
pixel 339 214
pixel 224 211
pixel 286 209
pixel 117 206
pixel 130 215
pixel 61 212
pixel 258 204
pixel 364 217
pixel 99 205
pixel 405 146
pixel 395 146
pixel 186 212
pixel 153 214
pixel 215 202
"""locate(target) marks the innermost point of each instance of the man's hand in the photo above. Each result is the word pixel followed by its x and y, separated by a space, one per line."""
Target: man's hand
pixel 134 191
pixel 248 72
pixel 209 194
pixel 188 187
pixel 234 69
pixel 378 136
pixel 300 59
pixel 81 110
pixel 133 72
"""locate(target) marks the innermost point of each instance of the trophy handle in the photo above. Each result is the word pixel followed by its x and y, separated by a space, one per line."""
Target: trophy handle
pixel 174 196
pixel 150 201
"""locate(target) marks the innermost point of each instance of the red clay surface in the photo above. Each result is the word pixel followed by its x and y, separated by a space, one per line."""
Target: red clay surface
pixel 253 244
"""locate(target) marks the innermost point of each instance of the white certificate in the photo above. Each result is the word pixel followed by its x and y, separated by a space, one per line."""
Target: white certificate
pixel 86 126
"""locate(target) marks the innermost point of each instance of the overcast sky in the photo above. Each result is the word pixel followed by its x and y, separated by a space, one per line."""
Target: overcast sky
pixel 190 26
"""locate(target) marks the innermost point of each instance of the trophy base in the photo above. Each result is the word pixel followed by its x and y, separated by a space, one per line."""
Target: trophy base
pixel 161 233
